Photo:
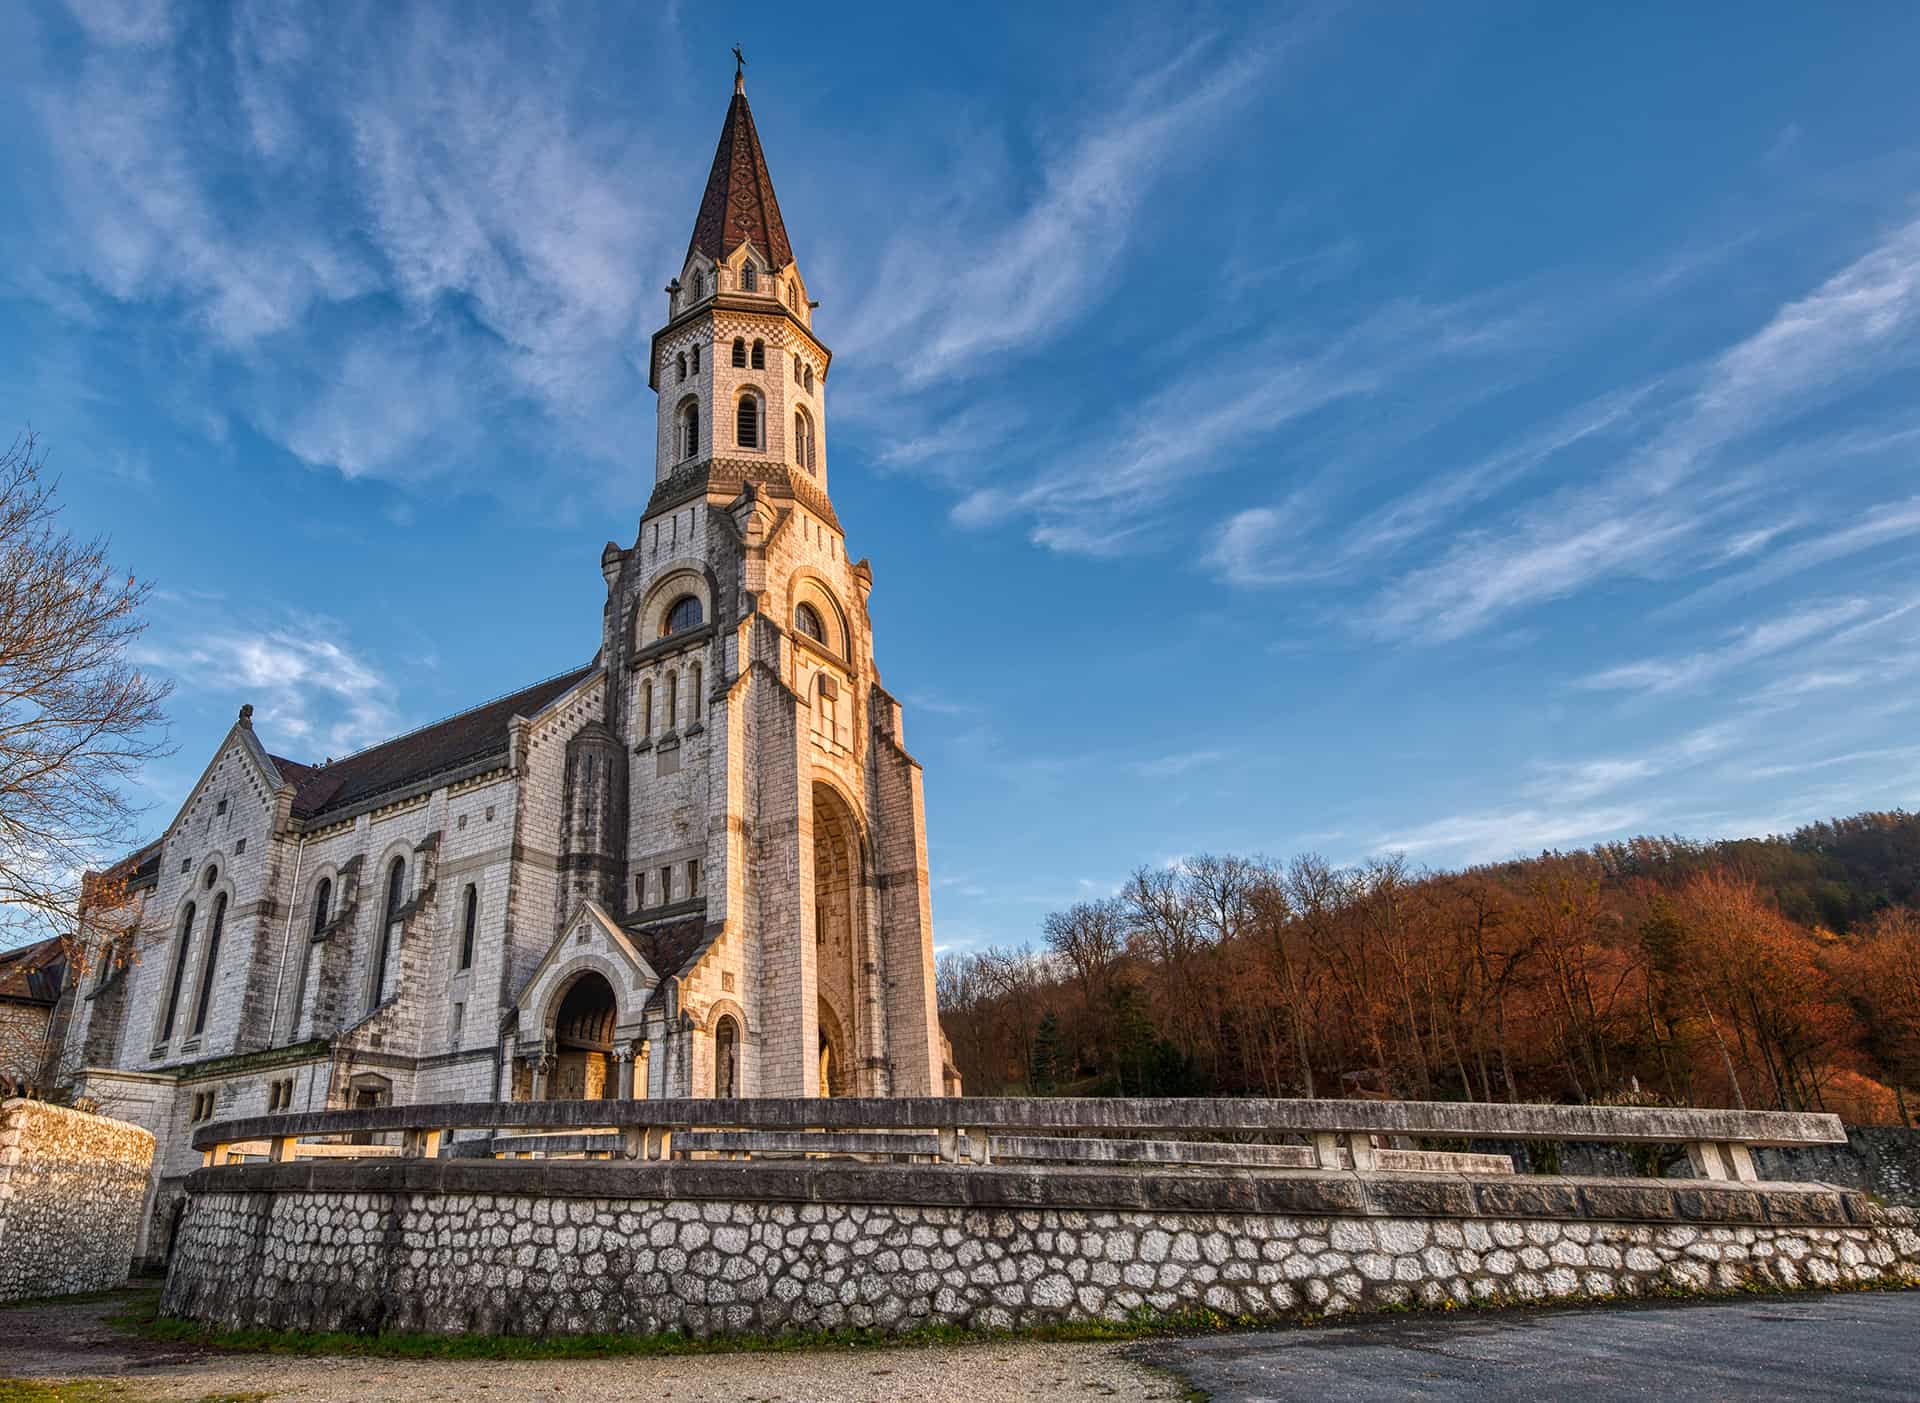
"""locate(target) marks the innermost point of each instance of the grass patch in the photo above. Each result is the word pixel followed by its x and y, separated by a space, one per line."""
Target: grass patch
pixel 92 1391
pixel 408 1345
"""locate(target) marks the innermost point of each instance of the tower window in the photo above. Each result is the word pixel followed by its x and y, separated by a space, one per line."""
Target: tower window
pixel 809 379
pixel 793 295
pixel 759 355
pixel 681 361
pixel 740 353
pixel 646 708
pixel 749 279
pixel 689 431
pixel 699 289
pixel 693 359
pixel 685 614
pixel 693 692
pixel 802 439
pixel 746 430
pixel 796 365
pixel 807 620
pixel 671 683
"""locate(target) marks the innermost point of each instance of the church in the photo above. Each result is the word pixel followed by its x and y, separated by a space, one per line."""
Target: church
pixel 694 866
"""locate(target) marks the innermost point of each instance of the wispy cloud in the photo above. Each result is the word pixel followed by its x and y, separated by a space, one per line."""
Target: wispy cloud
pixel 1171 766
pixel 1856 326
pixel 1022 282
pixel 1491 836
pixel 1756 641
pixel 314 694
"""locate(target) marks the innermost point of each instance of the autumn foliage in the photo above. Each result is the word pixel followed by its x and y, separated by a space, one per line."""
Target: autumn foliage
pixel 1775 974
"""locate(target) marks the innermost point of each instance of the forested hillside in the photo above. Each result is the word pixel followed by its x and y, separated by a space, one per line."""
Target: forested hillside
pixel 1769 973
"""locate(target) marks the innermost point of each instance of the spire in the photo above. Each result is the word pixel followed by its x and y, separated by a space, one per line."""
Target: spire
pixel 739 203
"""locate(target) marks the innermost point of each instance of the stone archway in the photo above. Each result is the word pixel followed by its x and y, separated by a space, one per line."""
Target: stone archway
pixel 836 1056
pixel 582 1040
pixel 838 920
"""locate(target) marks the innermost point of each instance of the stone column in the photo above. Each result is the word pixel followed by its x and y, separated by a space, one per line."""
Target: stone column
pixel 623 1075
pixel 542 1070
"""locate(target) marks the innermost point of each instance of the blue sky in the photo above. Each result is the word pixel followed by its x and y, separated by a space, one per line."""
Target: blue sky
pixel 1456 429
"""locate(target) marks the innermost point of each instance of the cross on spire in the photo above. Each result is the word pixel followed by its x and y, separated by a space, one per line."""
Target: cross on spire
pixel 739 70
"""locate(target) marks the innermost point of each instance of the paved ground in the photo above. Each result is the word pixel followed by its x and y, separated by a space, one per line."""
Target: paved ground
pixel 1859 1346
pixel 75 1341
pixel 1864 1345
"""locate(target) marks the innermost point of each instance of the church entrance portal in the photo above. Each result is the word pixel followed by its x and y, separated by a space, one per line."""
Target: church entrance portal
pixel 583 1042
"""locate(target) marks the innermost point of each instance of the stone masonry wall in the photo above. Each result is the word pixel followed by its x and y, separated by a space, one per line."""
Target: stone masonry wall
pixel 71 1189
pixel 457 1262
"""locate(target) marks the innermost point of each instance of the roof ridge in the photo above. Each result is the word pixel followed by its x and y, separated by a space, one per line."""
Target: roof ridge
pixel 441 721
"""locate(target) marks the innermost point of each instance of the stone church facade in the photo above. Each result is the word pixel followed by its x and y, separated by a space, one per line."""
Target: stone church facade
pixel 695 866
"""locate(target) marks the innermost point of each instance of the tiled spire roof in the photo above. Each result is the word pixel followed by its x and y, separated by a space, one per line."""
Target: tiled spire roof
pixel 739 203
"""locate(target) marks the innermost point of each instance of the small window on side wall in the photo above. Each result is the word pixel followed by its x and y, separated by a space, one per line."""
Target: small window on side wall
pixel 740 352
pixel 749 279
pixel 746 422
pixel 693 359
pixel 759 355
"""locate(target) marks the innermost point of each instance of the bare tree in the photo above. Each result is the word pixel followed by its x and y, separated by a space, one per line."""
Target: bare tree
pixel 76 718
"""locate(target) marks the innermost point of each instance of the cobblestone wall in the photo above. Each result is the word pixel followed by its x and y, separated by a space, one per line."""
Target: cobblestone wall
pixel 71 1189
pixel 547 1265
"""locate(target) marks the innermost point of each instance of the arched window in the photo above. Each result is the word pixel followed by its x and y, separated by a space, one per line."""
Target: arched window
pixel 807 620
pixel 322 906
pixel 209 967
pixel 681 362
pixel 466 926
pixel 685 614
pixel 809 379
pixel 759 355
pixel 693 692
pixel 699 289
pixel 793 295
pixel 746 421
pixel 670 684
pixel 749 279
pixel 726 1057
pixel 396 895
pixel 740 352
pixel 796 365
pixel 689 431
pixel 693 356
pixel 803 439
pixel 179 972
pixel 646 708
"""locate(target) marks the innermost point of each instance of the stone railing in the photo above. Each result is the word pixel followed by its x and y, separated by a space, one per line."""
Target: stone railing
pixel 1273 1135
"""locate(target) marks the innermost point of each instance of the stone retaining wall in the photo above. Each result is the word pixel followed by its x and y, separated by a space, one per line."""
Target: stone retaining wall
pixel 526 1247
pixel 71 1190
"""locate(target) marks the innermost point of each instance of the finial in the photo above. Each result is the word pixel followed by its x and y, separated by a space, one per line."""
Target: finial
pixel 739 70
pixel 246 716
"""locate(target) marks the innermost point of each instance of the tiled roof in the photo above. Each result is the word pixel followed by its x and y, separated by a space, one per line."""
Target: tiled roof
pixel 668 945
pixel 739 202
pixel 406 760
pixel 33 973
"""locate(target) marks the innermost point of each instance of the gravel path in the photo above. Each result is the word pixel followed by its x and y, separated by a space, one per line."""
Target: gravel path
pixel 69 1341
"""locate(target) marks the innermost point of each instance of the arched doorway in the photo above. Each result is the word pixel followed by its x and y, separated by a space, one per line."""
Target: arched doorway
pixel 837 922
pixel 583 1041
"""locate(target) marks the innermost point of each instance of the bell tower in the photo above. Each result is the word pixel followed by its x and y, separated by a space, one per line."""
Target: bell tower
pixel 774 872
pixel 737 368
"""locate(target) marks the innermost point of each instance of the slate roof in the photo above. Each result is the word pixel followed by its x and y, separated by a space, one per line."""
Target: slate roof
pixel 33 973
pixel 739 202
pixel 668 946
pixel 406 760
